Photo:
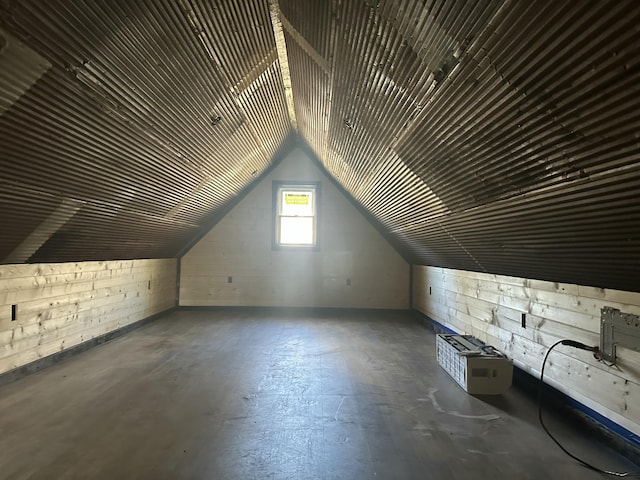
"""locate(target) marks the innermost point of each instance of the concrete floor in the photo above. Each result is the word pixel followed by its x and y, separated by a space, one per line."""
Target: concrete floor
pixel 259 395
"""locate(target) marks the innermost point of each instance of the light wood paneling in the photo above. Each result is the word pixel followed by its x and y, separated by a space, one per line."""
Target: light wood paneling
pixel 239 246
pixel 60 305
pixel 490 308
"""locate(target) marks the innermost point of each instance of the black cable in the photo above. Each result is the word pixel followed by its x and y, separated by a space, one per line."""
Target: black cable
pixel 582 346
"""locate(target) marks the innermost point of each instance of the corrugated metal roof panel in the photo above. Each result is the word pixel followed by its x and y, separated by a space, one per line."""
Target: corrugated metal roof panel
pixel 155 110
pixel 311 86
pixel 458 118
pixel 581 233
pixel 497 136
pixel 311 20
pixel 500 129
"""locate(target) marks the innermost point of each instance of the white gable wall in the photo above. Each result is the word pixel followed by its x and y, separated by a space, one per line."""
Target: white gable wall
pixel 240 247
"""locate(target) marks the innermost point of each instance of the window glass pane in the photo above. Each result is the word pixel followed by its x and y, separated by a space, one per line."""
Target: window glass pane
pixel 296 230
pixel 296 202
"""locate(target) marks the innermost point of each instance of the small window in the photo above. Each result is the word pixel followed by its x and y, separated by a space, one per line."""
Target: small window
pixel 296 215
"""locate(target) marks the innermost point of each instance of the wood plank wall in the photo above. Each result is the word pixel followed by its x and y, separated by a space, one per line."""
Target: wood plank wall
pixel 490 307
pixel 235 265
pixel 61 305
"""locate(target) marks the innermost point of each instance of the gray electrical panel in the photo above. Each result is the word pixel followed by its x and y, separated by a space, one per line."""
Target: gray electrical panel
pixel 618 329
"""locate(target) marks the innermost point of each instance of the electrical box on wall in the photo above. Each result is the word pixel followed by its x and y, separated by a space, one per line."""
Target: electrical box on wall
pixel 478 368
pixel 618 329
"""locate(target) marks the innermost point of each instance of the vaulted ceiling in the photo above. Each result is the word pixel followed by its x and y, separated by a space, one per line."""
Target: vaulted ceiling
pixel 497 136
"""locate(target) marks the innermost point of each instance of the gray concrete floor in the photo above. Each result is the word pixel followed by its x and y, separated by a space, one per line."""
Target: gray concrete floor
pixel 258 395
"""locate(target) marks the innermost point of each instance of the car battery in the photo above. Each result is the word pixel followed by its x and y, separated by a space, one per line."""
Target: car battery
pixel 478 368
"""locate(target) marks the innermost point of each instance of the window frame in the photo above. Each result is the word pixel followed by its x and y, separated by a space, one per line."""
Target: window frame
pixel 277 187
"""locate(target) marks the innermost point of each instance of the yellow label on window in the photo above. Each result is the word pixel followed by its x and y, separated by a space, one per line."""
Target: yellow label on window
pixel 296 199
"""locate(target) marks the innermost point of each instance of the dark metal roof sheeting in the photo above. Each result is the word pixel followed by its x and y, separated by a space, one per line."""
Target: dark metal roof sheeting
pixel 497 135
pixel 152 116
